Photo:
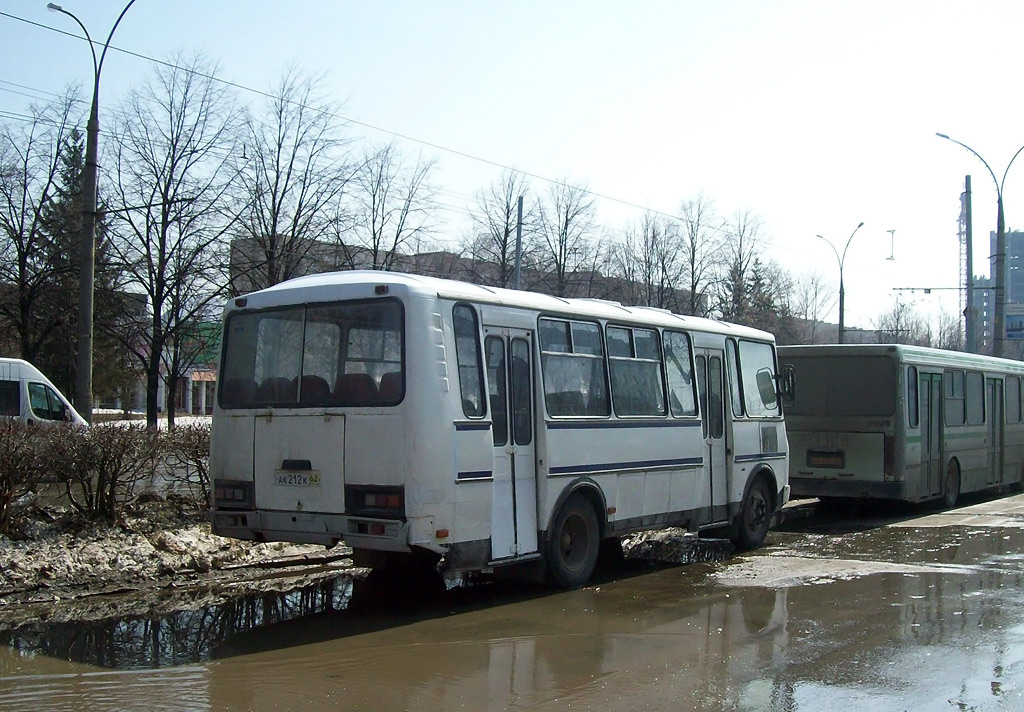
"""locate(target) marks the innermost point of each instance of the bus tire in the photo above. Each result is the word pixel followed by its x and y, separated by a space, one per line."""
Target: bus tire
pixel 755 516
pixel 951 485
pixel 574 543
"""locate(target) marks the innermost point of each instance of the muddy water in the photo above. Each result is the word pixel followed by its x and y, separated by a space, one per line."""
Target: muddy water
pixel 876 618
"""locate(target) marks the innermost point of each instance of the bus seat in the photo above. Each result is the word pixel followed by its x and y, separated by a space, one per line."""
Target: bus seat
pixel 238 391
pixel 355 389
pixel 390 389
pixel 277 389
pixel 314 389
pixel 566 403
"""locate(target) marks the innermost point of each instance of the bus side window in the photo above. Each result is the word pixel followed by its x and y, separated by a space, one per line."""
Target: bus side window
pixel 974 396
pixel 680 374
pixel 702 391
pixel 573 367
pixel 954 396
pixel 467 354
pixel 913 416
pixel 496 382
pixel 1012 399
pixel 735 395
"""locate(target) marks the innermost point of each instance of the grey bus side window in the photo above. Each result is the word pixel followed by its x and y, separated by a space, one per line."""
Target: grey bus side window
pixel 913 404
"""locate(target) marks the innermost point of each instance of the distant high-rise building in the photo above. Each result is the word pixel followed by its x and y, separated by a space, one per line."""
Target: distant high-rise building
pixel 1014 281
pixel 1014 265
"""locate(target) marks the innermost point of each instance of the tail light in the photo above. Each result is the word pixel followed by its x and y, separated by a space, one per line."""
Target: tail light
pixel 375 501
pixel 232 494
pixel 889 458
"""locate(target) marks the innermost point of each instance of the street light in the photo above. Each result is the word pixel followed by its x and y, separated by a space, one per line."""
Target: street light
pixel 87 248
pixel 842 291
pixel 999 321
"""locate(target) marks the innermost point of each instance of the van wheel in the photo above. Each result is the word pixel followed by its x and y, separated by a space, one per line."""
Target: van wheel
pixel 951 489
pixel 574 543
pixel 755 516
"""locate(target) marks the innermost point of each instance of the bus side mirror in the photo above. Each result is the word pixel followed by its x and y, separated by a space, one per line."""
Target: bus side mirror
pixel 787 385
pixel 766 388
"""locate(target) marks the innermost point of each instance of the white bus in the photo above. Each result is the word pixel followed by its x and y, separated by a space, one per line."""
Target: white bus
pixel 487 427
pixel 902 422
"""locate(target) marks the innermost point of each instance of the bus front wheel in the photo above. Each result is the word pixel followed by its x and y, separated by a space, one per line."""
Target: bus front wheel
pixel 755 516
pixel 574 543
pixel 951 491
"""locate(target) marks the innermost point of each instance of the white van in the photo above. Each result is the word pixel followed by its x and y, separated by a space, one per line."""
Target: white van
pixel 28 396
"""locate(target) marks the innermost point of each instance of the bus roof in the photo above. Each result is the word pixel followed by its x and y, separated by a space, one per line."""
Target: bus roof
pixel 329 286
pixel 920 355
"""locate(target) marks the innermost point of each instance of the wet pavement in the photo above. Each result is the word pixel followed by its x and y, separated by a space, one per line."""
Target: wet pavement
pixel 866 609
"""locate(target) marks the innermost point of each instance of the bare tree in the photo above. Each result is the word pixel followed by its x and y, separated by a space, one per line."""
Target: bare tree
pixel 292 171
pixel 171 151
pixel 31 268
pixel 811 301
pixel 950 331
pixel 566 221
pixel 903 325
pixel 492 243
pixel 392 201
pixel 649 259
pixel 701 244
pixel 734 292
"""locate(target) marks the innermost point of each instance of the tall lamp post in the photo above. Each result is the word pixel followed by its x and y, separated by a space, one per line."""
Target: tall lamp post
pixel 999 266
pixel 842 291
pixel 86 278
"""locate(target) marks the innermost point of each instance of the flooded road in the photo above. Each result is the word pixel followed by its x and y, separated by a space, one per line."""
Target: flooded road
pixel 906 611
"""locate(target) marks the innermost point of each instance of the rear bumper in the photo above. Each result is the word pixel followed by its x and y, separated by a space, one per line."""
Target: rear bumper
pixel 312 528
pixel 811 487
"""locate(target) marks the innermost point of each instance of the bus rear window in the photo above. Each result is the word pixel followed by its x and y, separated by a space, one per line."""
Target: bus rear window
pixel 344 354
pixel 844 386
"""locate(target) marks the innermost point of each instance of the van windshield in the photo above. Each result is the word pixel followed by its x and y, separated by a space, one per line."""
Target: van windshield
pixel 336 354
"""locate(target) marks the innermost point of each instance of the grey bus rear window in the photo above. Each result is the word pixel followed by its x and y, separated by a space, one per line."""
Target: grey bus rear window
pixel 335 354
pixel 844 385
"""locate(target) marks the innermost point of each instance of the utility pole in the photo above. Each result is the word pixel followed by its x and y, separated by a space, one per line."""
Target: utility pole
pixel 970 327
pixel 87 274
pixel 518 272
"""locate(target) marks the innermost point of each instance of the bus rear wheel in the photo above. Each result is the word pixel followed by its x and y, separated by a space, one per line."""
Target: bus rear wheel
pixel 755 516
pixel 574 543
pixel 951 489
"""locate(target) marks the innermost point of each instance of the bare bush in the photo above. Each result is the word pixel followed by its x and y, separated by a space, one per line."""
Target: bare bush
pixel 19 466
pixel 188 461
pixel 99 467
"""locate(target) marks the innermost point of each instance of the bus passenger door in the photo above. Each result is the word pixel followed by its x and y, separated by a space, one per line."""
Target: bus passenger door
pixel 514 494
pixel 995 431
pixel 711 391
pixel 931 427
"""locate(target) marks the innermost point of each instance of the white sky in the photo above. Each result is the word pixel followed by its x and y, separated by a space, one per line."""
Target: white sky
pixel 812 115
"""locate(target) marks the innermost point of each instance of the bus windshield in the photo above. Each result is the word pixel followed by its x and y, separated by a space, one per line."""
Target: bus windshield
pixel 844 386
pixel 339 354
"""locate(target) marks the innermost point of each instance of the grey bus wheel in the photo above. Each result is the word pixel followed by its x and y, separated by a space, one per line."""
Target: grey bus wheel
pixel 951 485
pixel 574 543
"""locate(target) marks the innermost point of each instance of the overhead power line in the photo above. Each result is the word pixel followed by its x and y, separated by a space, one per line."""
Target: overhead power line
pixel 366 125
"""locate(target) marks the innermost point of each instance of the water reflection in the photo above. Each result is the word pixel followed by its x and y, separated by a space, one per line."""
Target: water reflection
pixel 180 638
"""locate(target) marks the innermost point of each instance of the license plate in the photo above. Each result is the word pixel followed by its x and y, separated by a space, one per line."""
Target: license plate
pixel 824 458
pixel 297 479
